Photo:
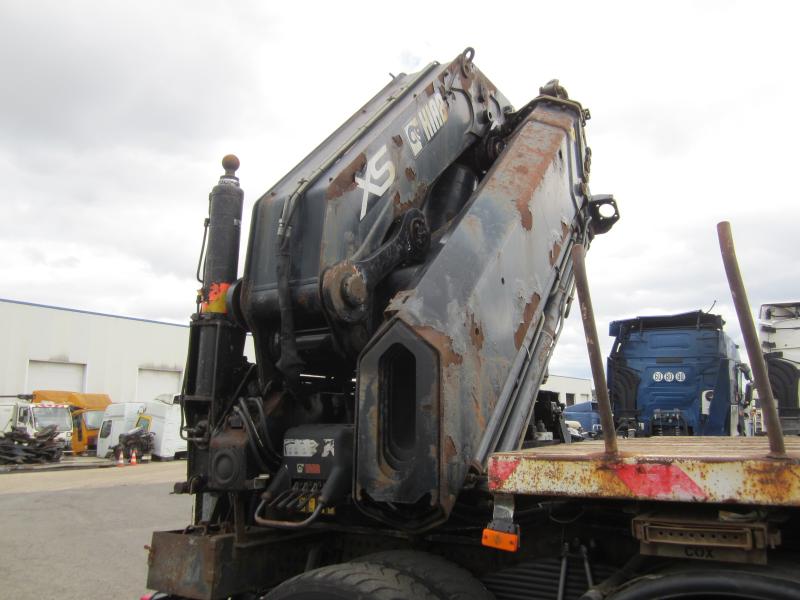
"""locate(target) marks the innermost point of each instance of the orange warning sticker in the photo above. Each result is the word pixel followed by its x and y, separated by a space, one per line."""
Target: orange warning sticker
pixel 216 298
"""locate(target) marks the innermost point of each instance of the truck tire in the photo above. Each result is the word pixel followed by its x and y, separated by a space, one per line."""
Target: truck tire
pixel 720 584
pixel 352 581
pixel 447 580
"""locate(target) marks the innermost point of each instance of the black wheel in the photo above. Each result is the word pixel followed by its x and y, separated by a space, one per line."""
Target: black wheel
pixel 708 585
pixel 447 580
pixel 352 581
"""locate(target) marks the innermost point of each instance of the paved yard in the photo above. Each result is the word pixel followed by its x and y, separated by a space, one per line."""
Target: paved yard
pixel 81 533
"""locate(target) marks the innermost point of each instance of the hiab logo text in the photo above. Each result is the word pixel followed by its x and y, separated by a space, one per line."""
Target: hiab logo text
pixel 378 176
pixel 426 124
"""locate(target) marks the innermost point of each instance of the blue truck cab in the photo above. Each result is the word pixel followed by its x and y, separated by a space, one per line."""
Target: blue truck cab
pixel 587 414
pixel 676 375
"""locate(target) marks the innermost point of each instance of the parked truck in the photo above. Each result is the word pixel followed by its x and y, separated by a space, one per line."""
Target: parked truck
pixel 405 286
pixel 87 415
pixel 677 375
pixel 162 417
pixel 118 418
pixel 587 415
pixel 14 413
pixel 18 412
pixel 780 340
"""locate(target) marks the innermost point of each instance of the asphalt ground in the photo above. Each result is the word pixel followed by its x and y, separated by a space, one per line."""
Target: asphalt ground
pixel 81 533
pixel 67 462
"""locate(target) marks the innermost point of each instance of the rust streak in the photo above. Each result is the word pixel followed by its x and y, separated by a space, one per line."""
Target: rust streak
pixel 527 316
pixel 526 216
pixel 554 119
pixel 450 451
pixel 771 480
pixel 410 174
pixel 522 202
pixel 478 409
pixel 475 333
pixel 555 251
pixel 345 181
pixel 442 343
pixel 420 194
pixel 529 156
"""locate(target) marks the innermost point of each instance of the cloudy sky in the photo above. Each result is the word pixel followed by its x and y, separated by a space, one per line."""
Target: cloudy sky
pixel 114 116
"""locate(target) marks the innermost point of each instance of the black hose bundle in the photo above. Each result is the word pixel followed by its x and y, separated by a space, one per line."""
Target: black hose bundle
pixel 258 438
pixel 17 447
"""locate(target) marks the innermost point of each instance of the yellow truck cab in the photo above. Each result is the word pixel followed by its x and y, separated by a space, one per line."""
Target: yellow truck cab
pixel 87 415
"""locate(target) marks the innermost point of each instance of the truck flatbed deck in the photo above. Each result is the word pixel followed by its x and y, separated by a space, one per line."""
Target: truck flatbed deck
pixel 679 469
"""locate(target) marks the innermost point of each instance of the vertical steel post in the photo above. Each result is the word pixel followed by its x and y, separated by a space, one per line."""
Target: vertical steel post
pixel 593 345
pixel 754 354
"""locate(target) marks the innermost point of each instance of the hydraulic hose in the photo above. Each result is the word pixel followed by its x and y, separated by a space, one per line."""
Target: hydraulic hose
pixel 251 439
pixel 262 419
pixel 270 458
pixel 288 524
pixel 289 362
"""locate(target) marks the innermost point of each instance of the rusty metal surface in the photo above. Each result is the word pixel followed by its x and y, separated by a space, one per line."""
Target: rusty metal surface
pixel 213 566
pixel 351 202
pixel 751 342
pixel 593 346
pixel 700 469
pixel 480 300
pixel 181 564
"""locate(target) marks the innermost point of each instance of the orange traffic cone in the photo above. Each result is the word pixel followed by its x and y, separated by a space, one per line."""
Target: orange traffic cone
pixel 134 462
pixel 121 457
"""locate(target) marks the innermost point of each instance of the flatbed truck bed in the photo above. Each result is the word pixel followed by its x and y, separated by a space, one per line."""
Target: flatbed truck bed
pixel 700 470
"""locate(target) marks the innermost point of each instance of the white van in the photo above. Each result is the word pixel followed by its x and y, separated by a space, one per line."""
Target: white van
pixel 162 416
pixel 119 417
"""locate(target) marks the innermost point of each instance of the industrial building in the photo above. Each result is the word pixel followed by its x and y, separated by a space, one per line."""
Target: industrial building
pixel 130 359
pixel 47 347
pixel 570 390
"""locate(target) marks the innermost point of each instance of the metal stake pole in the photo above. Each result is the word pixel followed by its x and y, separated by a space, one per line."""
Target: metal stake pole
pixel 754 354
pixel 593 345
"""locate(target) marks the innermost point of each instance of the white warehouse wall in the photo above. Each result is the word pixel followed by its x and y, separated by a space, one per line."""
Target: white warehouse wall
pixel 115 354
pixel 580 389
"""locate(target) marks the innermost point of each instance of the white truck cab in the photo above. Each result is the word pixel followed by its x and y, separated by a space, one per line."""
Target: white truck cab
pixel 779 332
pixel 119 417
pixel 34 417
pixel 162 417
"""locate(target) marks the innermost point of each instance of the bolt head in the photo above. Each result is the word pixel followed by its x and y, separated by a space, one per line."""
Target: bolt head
pixel 354 290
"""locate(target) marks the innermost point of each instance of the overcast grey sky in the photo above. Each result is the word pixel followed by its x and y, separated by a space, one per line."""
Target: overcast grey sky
pixel 114 117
